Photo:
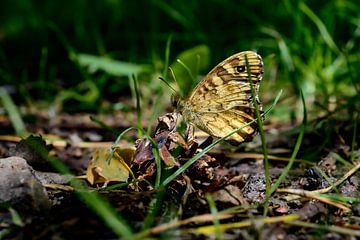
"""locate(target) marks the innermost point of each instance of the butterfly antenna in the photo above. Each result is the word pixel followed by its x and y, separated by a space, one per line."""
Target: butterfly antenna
pixel 167 84
pixel 176 81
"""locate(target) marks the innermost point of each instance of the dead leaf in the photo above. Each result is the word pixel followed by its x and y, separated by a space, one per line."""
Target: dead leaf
pixel 100 171
pixel 167 158
pixel 230 194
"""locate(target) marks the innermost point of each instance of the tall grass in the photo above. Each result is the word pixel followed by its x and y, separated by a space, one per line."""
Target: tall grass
pixel 313 44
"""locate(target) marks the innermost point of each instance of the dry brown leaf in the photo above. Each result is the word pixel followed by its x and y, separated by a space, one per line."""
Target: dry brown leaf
pixel 100 171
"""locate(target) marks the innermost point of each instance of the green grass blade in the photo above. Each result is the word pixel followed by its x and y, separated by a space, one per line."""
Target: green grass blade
pixel 156 153
pixel 117 141
pixel 172 13
pixel 111 66
pixel 296 148
pixel 16 218
pixel 13 113
pixel 262 136
pixel 167 56
pixel 107 213
pixel 154 207
pixel 91 198
pixel 283 48
pixel 327 179
pixel 138 106
pixel 321 26
pixel 155 113
pixel 353 141
pixel 187 69
pixel 215 215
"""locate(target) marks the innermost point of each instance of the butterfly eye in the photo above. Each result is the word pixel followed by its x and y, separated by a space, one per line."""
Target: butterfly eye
pixel 240 69
pixel 175 100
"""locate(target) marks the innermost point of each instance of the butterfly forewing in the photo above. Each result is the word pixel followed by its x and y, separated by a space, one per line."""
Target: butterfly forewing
pixel 222 101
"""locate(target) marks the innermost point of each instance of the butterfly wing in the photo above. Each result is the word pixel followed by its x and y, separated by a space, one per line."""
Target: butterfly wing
pixel 222 101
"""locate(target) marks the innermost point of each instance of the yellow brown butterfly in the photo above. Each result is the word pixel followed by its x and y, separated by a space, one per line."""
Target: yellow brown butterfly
pixel 222 100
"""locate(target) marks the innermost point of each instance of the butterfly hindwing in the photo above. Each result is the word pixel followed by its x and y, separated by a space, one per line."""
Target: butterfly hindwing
pixel 222 101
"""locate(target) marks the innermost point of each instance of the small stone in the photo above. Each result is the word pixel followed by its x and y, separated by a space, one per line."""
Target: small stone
pixel 20 188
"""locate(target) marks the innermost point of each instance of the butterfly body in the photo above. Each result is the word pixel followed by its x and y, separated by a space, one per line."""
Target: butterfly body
pixel 222 100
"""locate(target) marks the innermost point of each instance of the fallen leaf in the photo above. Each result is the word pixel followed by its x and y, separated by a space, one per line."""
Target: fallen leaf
pixel 101 171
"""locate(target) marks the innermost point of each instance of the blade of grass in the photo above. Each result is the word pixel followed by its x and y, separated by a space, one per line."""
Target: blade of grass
pixel 73 55
pixel 215 215
pixel 16 218
pixel 159 94
pixel 351 72
pixel 154 207
pixel 111 66
pixel 13 113
pixel 323 190
pixel 94 91
pixel 341 180
pixel 353 141
pixel 198 219
pixel 177 83
pixel 106 212
pixel 94 201
pixel 167 55
pixel 283 48
pixel 208 148
pixel 327 179
pixel 155 151
pixel 113 148
pixel 155 113
pixel 4 233
pixel 242 224
pixel 331 228
pixel 321 26
pixel 187 69
pixel 296 148
pixel 342 198
pixel 173 13
pixel 262 136
pixel 168 84
pixel 138 106
pixel 341 159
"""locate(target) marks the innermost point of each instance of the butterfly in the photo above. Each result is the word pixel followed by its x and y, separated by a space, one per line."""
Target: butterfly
pixel 222 101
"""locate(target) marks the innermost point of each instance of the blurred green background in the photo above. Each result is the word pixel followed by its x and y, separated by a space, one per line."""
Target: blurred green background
pixel 80 55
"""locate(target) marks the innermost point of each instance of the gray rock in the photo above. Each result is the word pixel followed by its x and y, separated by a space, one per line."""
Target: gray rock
pixel 19 186
pixel 254 190
pixel 52 178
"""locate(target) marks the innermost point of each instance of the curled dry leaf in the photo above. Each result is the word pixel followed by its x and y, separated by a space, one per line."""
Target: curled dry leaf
pixel 166 138
pixel 176 149
pixel 143 164
pixel 167 158
pixel 166 133
pixel 102 171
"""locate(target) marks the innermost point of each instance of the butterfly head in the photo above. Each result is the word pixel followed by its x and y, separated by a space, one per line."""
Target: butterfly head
pixel 177 102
